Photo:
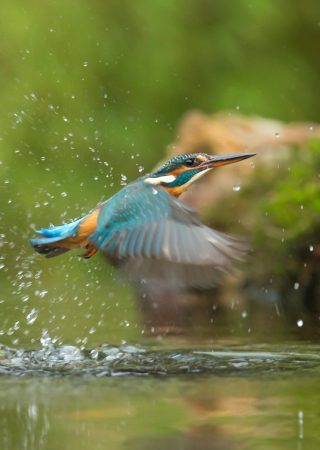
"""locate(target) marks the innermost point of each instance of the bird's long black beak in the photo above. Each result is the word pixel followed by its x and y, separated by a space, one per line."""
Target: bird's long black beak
pixel 223 160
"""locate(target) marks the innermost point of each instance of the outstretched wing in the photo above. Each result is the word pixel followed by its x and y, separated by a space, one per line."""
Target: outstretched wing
pixel 156 238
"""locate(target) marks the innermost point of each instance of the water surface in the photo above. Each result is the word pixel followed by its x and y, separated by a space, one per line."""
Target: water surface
pixel 235 397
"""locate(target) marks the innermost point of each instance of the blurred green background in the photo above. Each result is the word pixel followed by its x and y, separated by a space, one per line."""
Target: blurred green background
pixel 91 93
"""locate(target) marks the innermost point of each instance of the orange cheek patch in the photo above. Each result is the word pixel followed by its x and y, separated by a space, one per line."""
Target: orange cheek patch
pixel 178 171
pixel 181 170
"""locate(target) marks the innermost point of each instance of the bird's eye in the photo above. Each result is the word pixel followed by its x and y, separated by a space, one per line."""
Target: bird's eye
pixel 191 162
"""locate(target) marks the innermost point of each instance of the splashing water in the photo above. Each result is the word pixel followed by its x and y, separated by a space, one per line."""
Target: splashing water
pixel 108 360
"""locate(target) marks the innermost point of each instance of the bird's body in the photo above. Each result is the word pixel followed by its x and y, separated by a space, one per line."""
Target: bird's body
pixel 151 234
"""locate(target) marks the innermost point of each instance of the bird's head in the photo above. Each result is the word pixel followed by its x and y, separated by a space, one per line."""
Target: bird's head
pixel 177 174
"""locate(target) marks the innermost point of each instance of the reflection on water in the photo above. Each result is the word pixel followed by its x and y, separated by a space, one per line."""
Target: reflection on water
pixel 187 412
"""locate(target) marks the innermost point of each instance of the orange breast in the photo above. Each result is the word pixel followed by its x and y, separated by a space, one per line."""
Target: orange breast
pixel 89 224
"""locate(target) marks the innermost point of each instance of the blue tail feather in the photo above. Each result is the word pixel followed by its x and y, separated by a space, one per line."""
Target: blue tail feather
pixel 60 231
pixel 54 234
pixel 44 240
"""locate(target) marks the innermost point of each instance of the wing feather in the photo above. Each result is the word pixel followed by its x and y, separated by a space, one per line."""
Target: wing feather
pixel 157 238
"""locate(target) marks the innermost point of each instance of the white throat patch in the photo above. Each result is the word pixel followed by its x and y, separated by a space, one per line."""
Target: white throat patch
pixel 158 180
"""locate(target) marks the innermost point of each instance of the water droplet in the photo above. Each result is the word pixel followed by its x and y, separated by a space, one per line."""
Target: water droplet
pixel 92 330
pixel 140 168
pixel 45 338
pixel 85 64
pixel 296 286
pixel 41 294
pixel 300 422
pixel 236 187
pixel 63 194
pixel 123 181
pixel 300 323
pixel 244 314
pixel 94 354
pixel 32 316
pixel 311 248
pixel 154 191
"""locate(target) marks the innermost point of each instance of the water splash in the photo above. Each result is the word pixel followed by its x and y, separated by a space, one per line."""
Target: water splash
pixel 108 360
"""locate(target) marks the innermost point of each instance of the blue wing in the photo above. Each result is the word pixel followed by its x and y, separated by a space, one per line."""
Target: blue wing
pixel 155 237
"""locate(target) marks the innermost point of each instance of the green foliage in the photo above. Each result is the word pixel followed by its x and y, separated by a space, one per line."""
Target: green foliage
pixel 291 208
pixel 282 212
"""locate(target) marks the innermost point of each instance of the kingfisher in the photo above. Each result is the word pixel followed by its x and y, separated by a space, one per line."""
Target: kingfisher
pixel 152 235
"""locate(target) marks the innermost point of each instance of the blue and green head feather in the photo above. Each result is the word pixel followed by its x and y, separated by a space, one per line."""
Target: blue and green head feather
pixel 180 170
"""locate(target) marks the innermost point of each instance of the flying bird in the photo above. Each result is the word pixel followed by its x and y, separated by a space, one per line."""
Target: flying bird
pixel 147 231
